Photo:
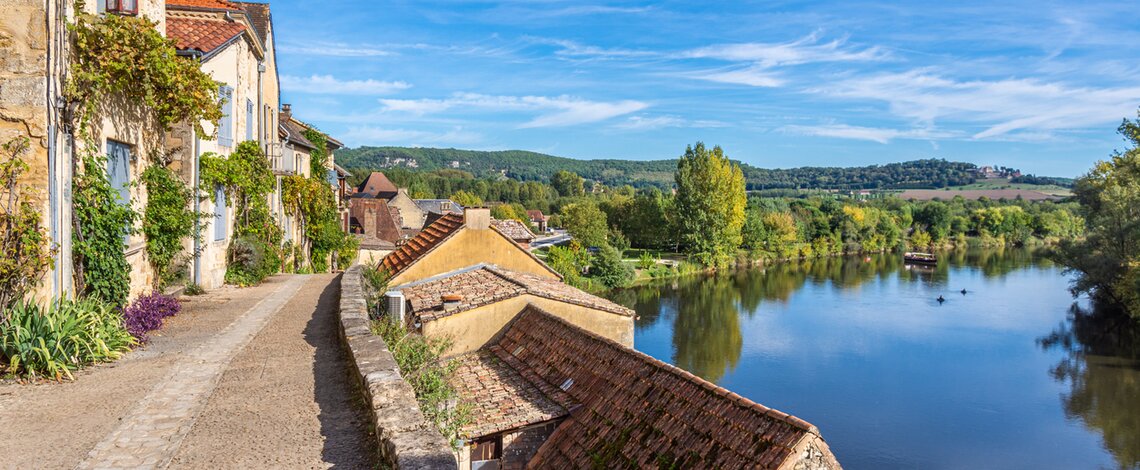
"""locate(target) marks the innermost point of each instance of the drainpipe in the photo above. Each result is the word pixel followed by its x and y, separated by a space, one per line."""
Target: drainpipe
pixel 197 274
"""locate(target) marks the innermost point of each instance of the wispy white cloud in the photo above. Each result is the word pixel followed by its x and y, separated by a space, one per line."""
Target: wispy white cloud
pixel 553 111
pixel 330 85
pixel 641 123
pixel 805 50
pixel 569 48
pixel 374 135
pixel 1001 107
pixel 333 49
pixel 751 76
pixel 873 134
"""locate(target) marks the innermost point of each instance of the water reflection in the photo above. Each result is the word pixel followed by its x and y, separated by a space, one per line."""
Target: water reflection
pixel 1101 366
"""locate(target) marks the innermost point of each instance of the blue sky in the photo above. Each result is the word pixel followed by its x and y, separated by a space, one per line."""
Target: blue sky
pixel 1036 85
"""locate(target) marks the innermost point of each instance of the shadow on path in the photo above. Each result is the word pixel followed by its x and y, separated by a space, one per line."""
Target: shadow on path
pixel 349 438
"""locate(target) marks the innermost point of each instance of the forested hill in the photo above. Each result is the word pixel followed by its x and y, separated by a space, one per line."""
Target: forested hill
pixel 532 166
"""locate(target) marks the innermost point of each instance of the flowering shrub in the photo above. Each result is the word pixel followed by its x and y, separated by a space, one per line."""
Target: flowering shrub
pixel 147 312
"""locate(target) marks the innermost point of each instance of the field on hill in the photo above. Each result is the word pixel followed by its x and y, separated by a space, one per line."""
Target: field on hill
pixel 991 184
pixel 949 193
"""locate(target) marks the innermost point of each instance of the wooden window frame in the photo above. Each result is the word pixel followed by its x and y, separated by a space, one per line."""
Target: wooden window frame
pixel 116 7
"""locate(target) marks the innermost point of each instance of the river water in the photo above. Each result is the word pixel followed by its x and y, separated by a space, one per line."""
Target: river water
pixel 1004 376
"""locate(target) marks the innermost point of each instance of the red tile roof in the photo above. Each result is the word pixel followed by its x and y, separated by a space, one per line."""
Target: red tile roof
pixel 425 241
pixel 206 4
pixel 514 230
pixel 501 398
pixel 639 412
pixel 481 285
pixel 201 34
pixel 377 185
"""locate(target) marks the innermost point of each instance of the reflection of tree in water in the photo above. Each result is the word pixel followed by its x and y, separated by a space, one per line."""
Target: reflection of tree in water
pixel 1102 368
pixel 706 331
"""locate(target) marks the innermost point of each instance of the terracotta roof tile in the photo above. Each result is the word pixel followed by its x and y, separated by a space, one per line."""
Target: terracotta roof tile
pixel 661 414
pixel 481 285
pixel 377 185
pixel 422 243
pixel 201 34
pixel 501 398
pixel 514 230
pixel 208 4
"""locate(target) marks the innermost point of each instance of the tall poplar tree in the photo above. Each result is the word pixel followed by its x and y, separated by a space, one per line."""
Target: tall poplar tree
pixel 710 204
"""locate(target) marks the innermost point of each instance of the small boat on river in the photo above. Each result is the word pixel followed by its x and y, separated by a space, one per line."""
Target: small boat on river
pixel 920 258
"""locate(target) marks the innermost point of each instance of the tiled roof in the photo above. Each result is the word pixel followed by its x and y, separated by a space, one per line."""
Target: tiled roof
pixel 436 206
pixel 206 4
pixel 481 285
pixel 201 35
pixel 376 184
pixel 513 229
pixel 501 398
pixel 640 411
pixel 295 132
pixel 258 14
pixel 535 214
pixel 422 243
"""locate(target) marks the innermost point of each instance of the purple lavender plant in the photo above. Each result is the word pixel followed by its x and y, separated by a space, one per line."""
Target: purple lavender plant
pixel 147 312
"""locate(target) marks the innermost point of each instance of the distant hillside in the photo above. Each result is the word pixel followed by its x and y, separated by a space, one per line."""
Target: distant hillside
pixel 531 166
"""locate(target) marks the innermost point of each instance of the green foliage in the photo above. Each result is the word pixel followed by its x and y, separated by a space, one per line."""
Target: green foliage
pixel 710 204
pixel 646 260
pixel 1107 261
pixel 126 56
pixel 251 260
pixel 26 255
pixel 102 225
pixel 466 199
pixel 166 221
pixel 193 289
pixel 421 366
pixel 530 166
pixel 66 335
pixel 585 222
pixel 607 267
pixel 319 157
pixel 313 202
pixel 568 183
pixel 569 261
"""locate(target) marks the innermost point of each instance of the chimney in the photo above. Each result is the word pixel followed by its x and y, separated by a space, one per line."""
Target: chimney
pixel 477 218
pixel 451 301
pixel 286 111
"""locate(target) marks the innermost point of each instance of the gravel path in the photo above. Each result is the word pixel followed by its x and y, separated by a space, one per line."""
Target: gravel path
pixel 199 396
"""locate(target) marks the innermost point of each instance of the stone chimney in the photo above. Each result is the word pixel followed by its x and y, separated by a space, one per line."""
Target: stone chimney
pixel 477 218
pixel 286 111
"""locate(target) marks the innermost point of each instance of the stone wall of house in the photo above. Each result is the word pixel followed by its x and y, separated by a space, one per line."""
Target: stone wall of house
pixel 520 445
pixel 812 454
pixel 405 438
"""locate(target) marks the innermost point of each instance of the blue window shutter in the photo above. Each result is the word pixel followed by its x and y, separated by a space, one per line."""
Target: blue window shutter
pixel 118 170
pixel 219 213
pixel 225 124
pixel 248 120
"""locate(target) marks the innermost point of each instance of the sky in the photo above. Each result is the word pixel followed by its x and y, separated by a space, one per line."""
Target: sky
pixel 1040 86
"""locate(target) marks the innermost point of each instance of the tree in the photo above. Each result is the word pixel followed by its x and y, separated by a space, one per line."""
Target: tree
pixel 568 183
pixel 1107 261
pixel 710 204
pixel 466 199
pixel 609 269
pixel 586 223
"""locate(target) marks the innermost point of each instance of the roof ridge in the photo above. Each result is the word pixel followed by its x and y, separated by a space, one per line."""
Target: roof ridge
pixel 621 310
pixel 706 385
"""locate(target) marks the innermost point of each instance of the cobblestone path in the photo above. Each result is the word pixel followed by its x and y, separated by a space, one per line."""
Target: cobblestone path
pixel 263 386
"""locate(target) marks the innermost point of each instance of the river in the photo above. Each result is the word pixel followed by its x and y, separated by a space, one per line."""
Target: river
pixel 1004 376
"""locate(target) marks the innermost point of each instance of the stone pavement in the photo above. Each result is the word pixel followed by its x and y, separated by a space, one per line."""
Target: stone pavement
pixel 242 378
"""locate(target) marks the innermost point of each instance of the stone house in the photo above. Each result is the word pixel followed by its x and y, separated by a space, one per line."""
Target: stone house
pixel 458 241
pixel 472 305
pixel 516 230
pixel 412 216
pixel 35 51
pixel 234 43
pixel 376 186
pixel 294 157
pixel 549 394
pixel 538 220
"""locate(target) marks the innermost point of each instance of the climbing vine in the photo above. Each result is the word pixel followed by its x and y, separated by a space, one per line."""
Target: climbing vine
pixel 122 62
pixel 167 220
pixel 247 179
pixel 24 252
pixel 313 202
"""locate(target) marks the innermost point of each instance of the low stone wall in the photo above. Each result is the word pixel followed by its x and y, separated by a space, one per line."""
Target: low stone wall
pixel 406 439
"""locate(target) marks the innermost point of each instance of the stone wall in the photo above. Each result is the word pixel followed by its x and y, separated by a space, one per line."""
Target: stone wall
pixel 406 440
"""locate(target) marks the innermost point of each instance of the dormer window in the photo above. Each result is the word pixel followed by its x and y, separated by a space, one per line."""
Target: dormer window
pixel 121 7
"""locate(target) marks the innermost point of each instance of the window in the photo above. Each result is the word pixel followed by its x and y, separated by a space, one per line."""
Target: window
pixel 119 169
pixel 122 7
pixel 248 120
pixel 226 124
pixel 219 213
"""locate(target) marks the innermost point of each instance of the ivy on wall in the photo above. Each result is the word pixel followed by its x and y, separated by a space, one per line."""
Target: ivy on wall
pixel 125 63
pixel 313 202
pixel 247 180
pixel 166 221
pixel 24 252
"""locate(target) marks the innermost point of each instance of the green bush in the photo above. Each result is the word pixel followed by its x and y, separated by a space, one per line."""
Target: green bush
pixel 53 341
pixel 608 268
pixel 250 261
pixel 646 260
